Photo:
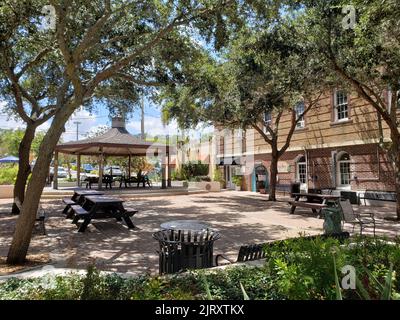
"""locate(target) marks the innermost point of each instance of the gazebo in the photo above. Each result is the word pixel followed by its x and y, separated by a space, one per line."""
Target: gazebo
pixel 115 142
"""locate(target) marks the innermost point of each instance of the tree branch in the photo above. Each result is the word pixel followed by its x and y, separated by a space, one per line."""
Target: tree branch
pixel 33 62
pixel 262 133
pixel 139 82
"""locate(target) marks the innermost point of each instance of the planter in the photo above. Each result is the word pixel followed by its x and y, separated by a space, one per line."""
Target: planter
pixel 213 186
pixel 263 191
pixel 6 191
pixel 67 183
pixel 238 188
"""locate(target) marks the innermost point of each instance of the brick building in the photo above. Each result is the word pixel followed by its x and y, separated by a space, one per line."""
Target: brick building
pixel 338 144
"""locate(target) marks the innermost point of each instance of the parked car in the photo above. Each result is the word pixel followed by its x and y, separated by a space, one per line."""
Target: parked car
pixel 116 170
pixel 61 172
pixel 88 168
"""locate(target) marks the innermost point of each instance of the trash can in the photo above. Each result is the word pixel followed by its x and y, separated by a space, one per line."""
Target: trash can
pixel 294 188
pixel 332 220
pixel 185 249
pixel 350 195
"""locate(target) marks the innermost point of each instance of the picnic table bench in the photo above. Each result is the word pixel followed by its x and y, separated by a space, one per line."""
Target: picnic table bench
pixel 77 198
pixel 101 207
pixel 315 201
pixel 127 181
pixel 107 180
pixel 313 206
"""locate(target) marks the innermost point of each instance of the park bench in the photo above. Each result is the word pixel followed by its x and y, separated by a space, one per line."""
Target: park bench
pixel 107 180
pixel 254 252
pixel 246 253
pixel 313 206
pixel 378 195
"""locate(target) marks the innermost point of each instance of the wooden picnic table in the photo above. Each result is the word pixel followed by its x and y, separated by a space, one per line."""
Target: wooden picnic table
pixel 102 207
pixel 315 207
pixel 82 193
pixel 77 198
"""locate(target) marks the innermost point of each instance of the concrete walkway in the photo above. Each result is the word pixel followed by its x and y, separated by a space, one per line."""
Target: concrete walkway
pixel 241 218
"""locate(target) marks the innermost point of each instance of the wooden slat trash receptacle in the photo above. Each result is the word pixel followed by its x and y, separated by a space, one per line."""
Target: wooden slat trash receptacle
pixel 185 249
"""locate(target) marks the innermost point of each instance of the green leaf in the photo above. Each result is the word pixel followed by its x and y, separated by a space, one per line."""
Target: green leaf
pixel 245 296
pixel 337 288
pixel 388 284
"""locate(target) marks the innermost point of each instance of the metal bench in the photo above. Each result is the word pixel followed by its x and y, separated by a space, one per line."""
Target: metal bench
pixel 285 188
pixel 246 253
pixel 257 251
pixel 378 195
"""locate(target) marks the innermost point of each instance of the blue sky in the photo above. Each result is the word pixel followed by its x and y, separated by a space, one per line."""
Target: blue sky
pixel 153 125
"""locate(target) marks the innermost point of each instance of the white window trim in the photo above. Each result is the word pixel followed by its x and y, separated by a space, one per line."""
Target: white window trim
pixel 338 173
pixel 301 123
pixel 336 110
pixel 298 171
pixel 267 123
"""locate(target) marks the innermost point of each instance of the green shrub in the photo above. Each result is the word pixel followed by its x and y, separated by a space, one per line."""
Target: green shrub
pixel 237 180
pixel 295 269
pixel 218 176
pixel 8 174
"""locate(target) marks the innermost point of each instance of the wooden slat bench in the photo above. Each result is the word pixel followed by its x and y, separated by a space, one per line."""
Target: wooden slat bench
pixel 78 213
pixel 313 206
pixel 68 203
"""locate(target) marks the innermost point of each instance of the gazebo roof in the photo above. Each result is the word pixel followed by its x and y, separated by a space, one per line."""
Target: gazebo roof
pixel 115 142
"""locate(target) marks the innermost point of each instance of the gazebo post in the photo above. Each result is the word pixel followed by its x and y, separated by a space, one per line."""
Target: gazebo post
pixel 100 184
pixel 163 173
pixel 129 166
pixel 78 170
pixel 168 167
pixel 55 175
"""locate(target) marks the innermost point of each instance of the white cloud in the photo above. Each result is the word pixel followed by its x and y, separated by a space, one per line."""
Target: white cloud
pixel 152 126
pixel 87 121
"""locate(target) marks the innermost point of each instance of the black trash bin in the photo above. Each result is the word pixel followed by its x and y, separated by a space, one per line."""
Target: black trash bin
pixel 185 249
pixel 294 188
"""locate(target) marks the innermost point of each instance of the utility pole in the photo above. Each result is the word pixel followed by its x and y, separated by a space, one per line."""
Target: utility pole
pixel 142 119
pixel 77 129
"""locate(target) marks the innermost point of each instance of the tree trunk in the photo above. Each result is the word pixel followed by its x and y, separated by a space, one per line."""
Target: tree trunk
pixel 26 220
pixel 24 168
pixel 396 150
pixel 273 176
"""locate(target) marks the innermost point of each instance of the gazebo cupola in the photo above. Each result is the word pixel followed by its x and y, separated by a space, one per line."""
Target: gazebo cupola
pixel 117 141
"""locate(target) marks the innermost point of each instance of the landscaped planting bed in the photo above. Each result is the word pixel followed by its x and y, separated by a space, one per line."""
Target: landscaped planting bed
pixel 294 269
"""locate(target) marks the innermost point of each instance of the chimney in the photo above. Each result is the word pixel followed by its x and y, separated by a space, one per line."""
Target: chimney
pixel 118 122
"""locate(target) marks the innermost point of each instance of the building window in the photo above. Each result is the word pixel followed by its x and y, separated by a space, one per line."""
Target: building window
pixel 267 120
pixel 299 109
pixel 341 106
pixel 301 170
pixel 344 169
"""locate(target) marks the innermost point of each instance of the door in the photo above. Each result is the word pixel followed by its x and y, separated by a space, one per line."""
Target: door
pixel 229 174
pixel 302 175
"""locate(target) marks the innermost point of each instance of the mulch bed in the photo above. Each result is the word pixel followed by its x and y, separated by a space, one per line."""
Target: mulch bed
pixel 32 260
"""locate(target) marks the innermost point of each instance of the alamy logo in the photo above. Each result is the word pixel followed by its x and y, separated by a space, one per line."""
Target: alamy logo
pixel 349 277
pixel 349 20
pixel 49 20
